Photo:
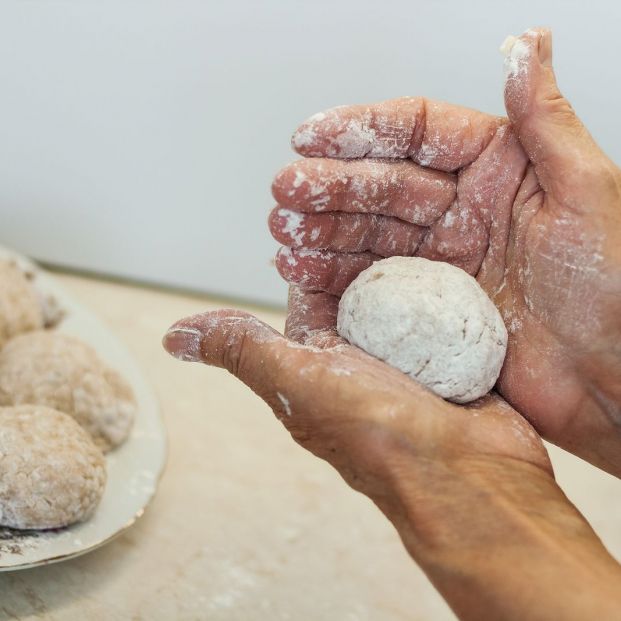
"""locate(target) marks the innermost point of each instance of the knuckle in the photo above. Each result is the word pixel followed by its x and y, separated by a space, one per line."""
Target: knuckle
pixel 234 353
pixel 557 106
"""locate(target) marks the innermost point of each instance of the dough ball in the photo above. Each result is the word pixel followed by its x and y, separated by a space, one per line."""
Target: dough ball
pixel 20 305
pixel 429 319
pixel 51 472
pixel 58 371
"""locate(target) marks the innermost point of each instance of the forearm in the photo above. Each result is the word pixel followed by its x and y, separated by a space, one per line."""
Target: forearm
pixel 504 543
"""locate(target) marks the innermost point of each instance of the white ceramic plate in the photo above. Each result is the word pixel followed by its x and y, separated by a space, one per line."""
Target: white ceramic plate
pixel 134 468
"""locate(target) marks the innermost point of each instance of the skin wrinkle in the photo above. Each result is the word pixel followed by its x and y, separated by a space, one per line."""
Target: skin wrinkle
pixel 503 265
pixel 418 135
pixel 374 186
pixel 610 406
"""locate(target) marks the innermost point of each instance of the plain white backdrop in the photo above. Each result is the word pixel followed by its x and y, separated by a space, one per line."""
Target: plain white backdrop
pixel 139 138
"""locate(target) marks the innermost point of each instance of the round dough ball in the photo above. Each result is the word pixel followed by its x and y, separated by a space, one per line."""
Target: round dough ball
pixel 429 319
pixel 20 304
pixel 51 472
pixel 58 371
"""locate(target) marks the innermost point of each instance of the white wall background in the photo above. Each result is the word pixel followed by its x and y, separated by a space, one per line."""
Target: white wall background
pixel 139 138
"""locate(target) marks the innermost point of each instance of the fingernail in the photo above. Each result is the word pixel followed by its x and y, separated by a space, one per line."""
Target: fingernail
pixel 184 344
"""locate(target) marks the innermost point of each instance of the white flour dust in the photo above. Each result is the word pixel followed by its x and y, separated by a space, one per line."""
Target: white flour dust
pixel 294 221
pixel 285 403
pixel 516 52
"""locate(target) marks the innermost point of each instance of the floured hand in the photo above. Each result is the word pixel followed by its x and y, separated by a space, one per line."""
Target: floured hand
pixel 469 488
pixel 528 204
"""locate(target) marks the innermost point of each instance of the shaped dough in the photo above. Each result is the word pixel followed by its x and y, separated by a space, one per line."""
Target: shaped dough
pixel 20 305
pixel 51 472
pixel 58 371
pixel 429 319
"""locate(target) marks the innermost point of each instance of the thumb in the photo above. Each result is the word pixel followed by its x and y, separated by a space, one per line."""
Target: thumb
pixel 249 349
pixel 285 374
pixel 566 158
pixel 319 395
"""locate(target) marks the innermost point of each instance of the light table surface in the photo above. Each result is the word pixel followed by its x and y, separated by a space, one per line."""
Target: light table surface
pixel 246 525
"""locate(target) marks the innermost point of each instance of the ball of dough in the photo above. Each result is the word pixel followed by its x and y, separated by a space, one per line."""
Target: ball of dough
pixel 429 319
pixel 60 372
pixel 20 304
pixel 51 472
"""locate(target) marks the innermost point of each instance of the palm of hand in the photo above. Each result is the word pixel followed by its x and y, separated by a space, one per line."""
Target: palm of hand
pixel 559 306
pixel 382 419
pixel 555 281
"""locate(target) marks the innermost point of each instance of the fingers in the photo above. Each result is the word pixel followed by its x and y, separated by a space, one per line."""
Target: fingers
pixel 472 234
pixel 459 237
pixel 354 241
pixel 316 270
pixel 311 318
pixel 488 189
pixel 433 134
pixel 567 160
pixel 399 189
pixel 345 232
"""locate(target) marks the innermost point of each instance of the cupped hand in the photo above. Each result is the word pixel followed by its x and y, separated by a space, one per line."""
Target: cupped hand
pixel 529 205
pixel 469 488
pixel 388 437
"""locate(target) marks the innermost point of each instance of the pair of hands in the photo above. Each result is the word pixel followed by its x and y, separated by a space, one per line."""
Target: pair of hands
pixel 532 208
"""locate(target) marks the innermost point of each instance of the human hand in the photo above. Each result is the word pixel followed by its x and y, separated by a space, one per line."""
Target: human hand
pixel 528 204
pixel 469 488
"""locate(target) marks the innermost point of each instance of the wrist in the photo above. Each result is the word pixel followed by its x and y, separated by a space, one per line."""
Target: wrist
pixel 500 540
pixel 475 502
pixel 595 434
